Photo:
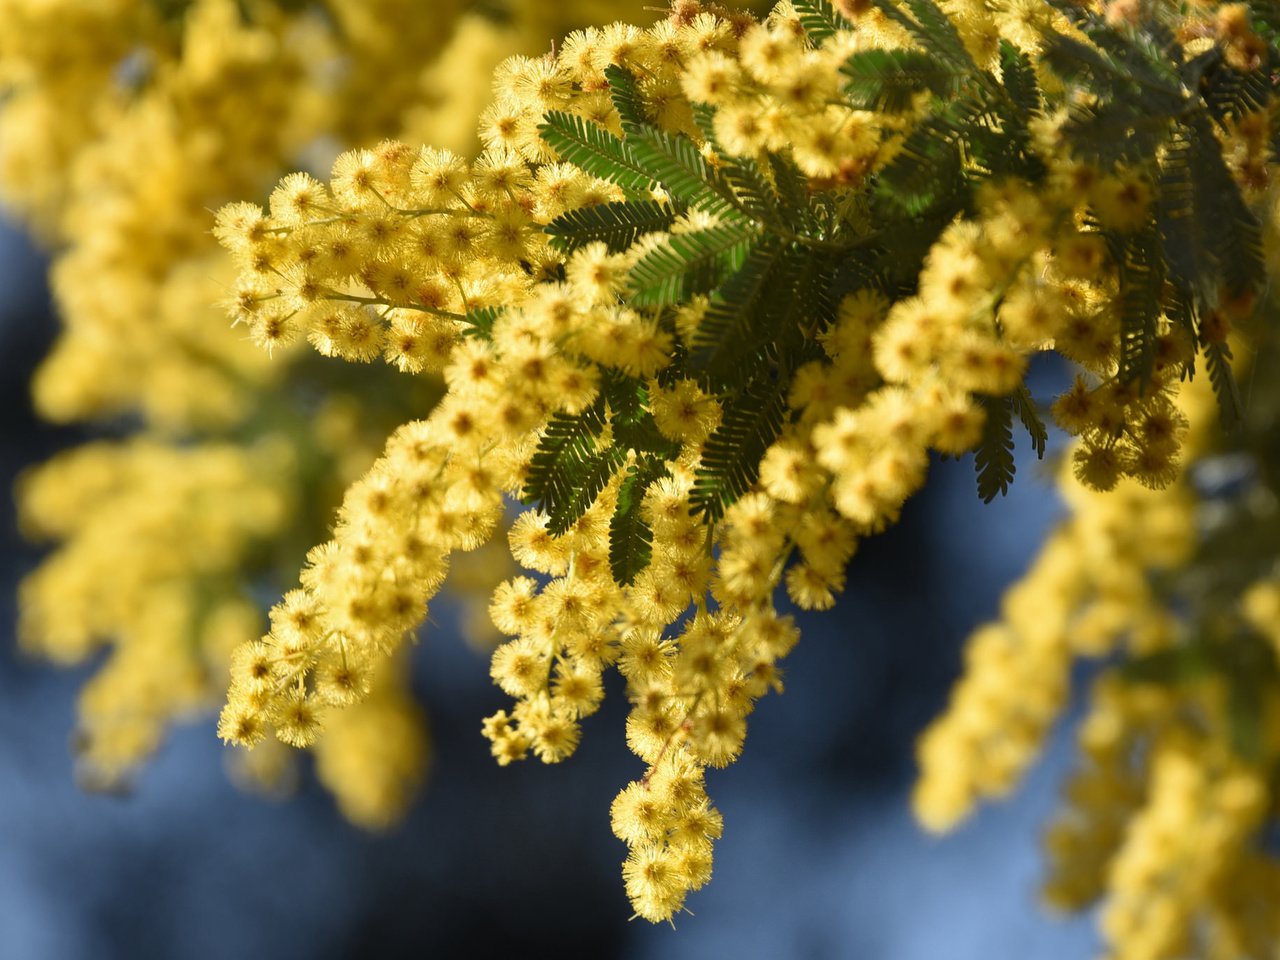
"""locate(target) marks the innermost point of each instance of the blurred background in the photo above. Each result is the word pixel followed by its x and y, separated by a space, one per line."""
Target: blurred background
pixel 820 857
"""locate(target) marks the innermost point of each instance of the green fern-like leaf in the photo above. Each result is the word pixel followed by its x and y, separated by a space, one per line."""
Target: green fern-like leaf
pixel 566 445
pixel 686 264
pixel 1081 65
pixel 1180 215
pixel 749 190
pixel 1210 237
pixel 767 316
pixel 993 456
pixel 1181 308
pixel 630 538
pixel 1229 94
pixel 755 196
pixel 1116 72
pixel 1217 361
pixel 625 94
pixel 1138 65
pixel 819 19
pixel 592 475
pixel 932 28
pixel 731 457
pixel 617 224
pixel 1232 231
pixel 630 419
pixel 1150 55
pixel 675 161
pixel 596 151
pixel 626 396
pixel 1137 91
pixel 789 182
pixel 1019 79
pixel 929 166
pixel 1025 406
pixel 479 323
pixel 733 307
pixel 1141 284
pixel 1119 132
pixel 888 80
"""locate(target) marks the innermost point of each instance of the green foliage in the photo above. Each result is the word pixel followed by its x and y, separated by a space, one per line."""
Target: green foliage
pixel 479 323
pixel 573 464
pixel 617 224
pixel 1138 64
pixel 932 29
pixel 675 162
pixel 629 417
pixel 819 18
pixel 1211 240
pixel 1141 283
pixel 767 264
pixel 590 476
pixel 738 306
pixel 686 264
pixel 1137 93
pixel 594 149
pixel 929 170
pixel 776 256
pixel 1155 110
pixel 566 455
pixel 993 456
pixel 975 128
pixel 1217 361
pixel 625 96
pixel 1019 80
pixel 790 186
pixel 755 197
pixel 1025 406
pixel 889 80
pixel 731 457
pixel 630 538
pixel 1234 234
pixel 1229 94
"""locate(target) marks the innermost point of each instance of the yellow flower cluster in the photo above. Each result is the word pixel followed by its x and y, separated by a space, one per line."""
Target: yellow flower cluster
pixel 121 125
pixel 1090 586
pixel 389 258
pixel 56 59
pixel 404 253
pixel 1103 793
pixel 777 93
pixel 1196 821
pixel 564 267
pixel 441 265
pixel 117 142
pixel 374 755
pixel 1161 820
pixel 201 113
pixel 156 539
pixel 669 825
pixel 1162 817
pixel 1087 591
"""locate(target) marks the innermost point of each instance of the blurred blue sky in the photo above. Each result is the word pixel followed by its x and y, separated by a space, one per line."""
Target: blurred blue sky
pixel 820 857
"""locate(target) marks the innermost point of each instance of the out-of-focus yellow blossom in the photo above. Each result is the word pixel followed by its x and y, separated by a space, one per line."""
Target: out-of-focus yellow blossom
pixel 156 541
